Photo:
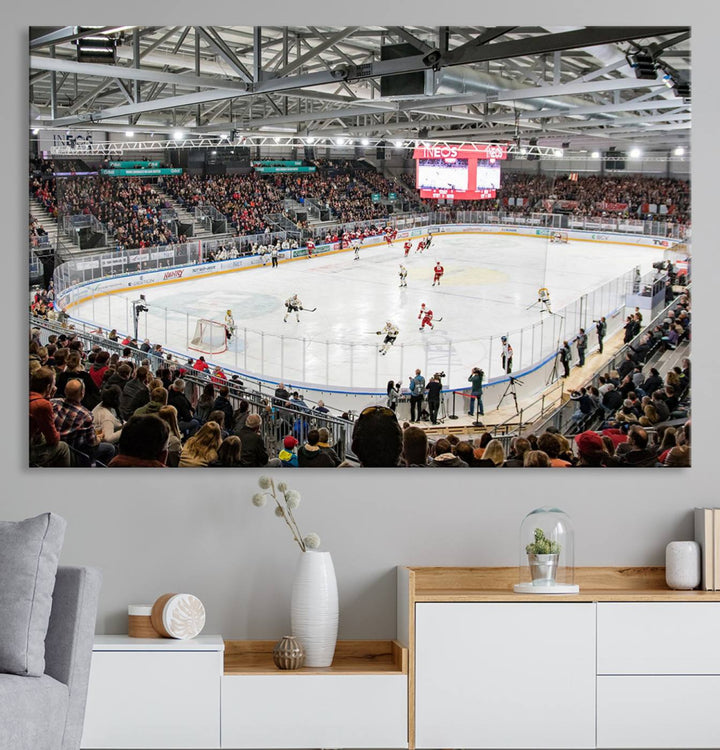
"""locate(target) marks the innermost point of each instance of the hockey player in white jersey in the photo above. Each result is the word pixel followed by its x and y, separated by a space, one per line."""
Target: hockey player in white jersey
pixel 402 273
pixel 293 304
pixel 391 332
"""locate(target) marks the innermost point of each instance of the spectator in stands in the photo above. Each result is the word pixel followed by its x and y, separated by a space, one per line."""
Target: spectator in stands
pixel 254 452
pixel 281 395
pixel 592 450
pixel 201 449
pixel 205 403
pixel 652 382
pixel 464 451
pixel 310 454
pixel 640 453
pixel 479 444
pixel 229 453
pixel 46 447
pixel 222 403
pixel 415 447
pixel 158 399
pixel 99 368
pixel 120 377
pixel 549 443
pixel 186 419
pixel 288 454
pixel 174 447
pixel 106 417
pixel 135 393
pixel 321 408
pixel 75 424
pixel 444 457
pixel 536 459
pixel 74 370
pixel 518 447
pixel 678 457
pixel 583 408
pixel 143 443
pixel 219 417
pixel 240 415
pixel 324 445
pixel 377 439
pixel 494 455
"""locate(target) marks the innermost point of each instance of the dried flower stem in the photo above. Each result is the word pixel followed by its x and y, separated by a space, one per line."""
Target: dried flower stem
pixel 288 517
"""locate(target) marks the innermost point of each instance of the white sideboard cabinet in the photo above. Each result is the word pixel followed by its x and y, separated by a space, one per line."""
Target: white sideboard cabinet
pixel 497 675
pixel 154 693
pixel 358 702
pixel 658 682
pixel 626 663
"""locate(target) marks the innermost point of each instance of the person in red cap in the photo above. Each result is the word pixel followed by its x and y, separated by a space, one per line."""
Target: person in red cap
pixel 288 454
pixel 591 450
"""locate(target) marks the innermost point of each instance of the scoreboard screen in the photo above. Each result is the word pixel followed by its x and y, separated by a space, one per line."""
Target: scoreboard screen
pixel 459 172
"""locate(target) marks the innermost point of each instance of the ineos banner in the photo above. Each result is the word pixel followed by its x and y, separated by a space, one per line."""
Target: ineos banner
pixel 462 151
pixel 49 139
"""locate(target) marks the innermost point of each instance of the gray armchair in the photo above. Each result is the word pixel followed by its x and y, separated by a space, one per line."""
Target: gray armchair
pixel 47 712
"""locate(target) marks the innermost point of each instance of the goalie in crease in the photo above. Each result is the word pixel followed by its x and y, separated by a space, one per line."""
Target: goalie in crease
pixel 229 325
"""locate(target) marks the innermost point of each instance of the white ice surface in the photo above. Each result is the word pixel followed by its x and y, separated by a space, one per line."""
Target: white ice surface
pixel 489 283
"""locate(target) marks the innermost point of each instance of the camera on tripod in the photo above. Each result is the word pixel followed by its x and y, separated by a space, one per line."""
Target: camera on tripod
pixel 514 380
pixel 440 374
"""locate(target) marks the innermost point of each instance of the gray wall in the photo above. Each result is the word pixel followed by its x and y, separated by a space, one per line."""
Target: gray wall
pixel 196 531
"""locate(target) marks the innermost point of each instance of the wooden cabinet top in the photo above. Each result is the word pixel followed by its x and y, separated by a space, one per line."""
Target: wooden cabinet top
pixel 597 584
pixel 351 657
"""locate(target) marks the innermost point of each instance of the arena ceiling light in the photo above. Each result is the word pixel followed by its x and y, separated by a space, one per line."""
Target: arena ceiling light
pixel 398 143
pixel 365 141
pixel 635 153
pixel 558 152
pixel 679 151
pixel 339 141
pixel 178 135
pixel 595 155
pixel 129 133
pixel 310 140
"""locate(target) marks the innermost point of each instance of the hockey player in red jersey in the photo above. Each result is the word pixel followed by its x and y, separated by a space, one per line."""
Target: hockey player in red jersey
pixel 407 246
pixel 427 320
pixel 310 248
pixel 421 246
pixel 439 271
pixel 422 311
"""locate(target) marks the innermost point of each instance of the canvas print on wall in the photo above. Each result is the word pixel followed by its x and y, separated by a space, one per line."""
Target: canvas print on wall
pixel 447 247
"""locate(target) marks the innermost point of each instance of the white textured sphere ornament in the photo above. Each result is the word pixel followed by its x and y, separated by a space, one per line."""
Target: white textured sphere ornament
pixel 682 565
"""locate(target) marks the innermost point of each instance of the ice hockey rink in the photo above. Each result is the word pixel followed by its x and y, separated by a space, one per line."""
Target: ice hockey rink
pixel 489 289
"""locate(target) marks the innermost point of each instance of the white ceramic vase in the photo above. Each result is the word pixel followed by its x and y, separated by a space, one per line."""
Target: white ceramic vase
pixel 314 607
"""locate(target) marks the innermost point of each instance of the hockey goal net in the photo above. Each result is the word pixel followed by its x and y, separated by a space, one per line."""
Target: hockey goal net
pixel 561 237
pixel 209 337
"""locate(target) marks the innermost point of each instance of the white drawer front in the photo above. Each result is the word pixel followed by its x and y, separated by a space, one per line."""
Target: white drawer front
pixel 153 700
pixel 501 675
pixel 658 638
pixel 311 711
pixel 658 711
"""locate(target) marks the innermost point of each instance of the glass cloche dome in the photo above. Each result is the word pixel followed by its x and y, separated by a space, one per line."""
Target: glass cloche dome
pixel 546 553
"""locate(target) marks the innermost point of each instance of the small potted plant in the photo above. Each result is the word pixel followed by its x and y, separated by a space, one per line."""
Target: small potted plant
pixel 543 555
